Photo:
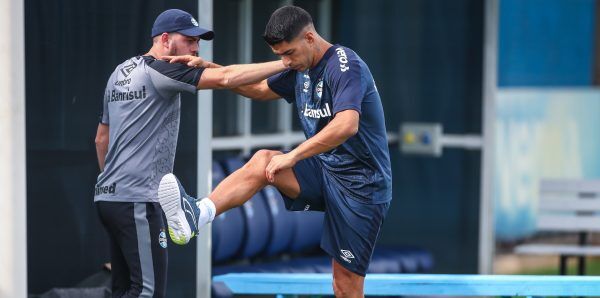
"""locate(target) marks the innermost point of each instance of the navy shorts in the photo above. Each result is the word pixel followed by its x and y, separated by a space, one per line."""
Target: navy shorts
pixel 350 227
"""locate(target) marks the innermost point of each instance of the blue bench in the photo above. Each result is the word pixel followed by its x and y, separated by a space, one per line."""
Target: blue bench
pixel 416 284
pixel 262 229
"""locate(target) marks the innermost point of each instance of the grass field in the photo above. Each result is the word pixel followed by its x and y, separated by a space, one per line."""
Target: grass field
pixel 592 268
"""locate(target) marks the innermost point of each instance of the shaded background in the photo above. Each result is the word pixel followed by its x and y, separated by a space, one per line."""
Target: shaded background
pixel 426 57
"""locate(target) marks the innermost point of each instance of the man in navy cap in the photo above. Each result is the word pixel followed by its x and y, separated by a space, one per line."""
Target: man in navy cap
pixel 136 142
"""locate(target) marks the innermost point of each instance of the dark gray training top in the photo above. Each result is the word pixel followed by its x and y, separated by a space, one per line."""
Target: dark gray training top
pixel 142 107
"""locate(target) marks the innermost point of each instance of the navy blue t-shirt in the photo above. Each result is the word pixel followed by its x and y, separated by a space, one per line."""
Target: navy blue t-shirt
pixel 342 81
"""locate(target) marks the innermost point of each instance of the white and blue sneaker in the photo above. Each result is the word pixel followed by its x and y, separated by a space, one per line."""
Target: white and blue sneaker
pixel 181 210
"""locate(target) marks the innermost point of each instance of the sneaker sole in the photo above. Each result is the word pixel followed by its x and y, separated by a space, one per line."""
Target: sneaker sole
pixel 169 198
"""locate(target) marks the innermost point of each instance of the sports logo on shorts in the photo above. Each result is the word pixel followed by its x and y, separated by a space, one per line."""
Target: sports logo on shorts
pixel 346 255
pixel 162 239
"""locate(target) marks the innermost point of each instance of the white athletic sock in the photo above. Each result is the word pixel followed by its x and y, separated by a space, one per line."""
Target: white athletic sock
pixel 207 211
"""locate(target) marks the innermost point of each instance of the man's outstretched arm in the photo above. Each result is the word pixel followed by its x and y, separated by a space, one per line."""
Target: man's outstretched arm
pixel 257 91
pixel 233 76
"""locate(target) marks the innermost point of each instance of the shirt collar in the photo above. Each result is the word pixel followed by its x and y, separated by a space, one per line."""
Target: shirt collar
pixel 317 69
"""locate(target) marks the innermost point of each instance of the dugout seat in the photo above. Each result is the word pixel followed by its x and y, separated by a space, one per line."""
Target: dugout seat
pixel 282 230
pixel 255 213
pixel 228 229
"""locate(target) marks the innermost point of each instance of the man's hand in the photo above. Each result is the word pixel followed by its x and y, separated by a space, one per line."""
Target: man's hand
pixel 102 140
pixel 278 163
pixel 189 60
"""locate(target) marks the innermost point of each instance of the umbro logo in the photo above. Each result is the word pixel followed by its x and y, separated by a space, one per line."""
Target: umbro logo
pixel 346 255
pixel 127 69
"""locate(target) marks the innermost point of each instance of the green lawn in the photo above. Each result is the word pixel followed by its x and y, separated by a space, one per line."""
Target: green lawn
pixel 592 268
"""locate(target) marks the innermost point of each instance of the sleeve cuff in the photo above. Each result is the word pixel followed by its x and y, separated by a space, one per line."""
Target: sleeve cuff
pixel 347 107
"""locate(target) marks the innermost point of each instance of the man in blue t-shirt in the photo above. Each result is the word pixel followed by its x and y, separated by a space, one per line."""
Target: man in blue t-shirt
pixel 343 168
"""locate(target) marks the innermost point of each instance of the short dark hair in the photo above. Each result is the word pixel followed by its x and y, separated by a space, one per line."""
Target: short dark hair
pixel 285 24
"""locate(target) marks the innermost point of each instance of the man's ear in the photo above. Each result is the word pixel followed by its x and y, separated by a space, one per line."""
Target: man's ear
pixel 309 36
pixel 164 39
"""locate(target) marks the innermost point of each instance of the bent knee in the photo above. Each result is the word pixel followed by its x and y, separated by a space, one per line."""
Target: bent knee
pixel 259 161
pixel 265 154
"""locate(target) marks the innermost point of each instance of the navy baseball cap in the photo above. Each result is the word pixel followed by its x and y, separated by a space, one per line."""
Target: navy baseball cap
pixel 176 20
